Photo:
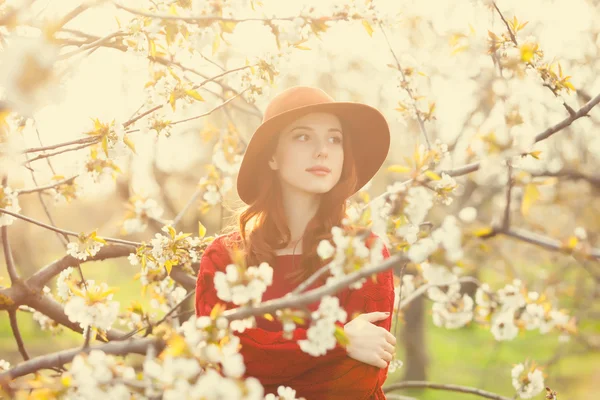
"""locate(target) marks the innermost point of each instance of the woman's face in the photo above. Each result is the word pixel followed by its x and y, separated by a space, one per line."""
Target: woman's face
pixel 310 154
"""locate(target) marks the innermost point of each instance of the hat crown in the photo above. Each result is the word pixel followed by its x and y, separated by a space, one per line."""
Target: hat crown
pixel 295 97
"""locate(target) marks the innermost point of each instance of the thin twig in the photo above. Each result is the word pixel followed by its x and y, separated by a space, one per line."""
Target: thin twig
pixel 8 256
pixel 191 201
pixel 213 110
pixel 46 187
pixel 506 219
pixel 86 140
pixel 52 228
pixel 148 327
pixel 14 325
pixel 446 387
pixel 405 81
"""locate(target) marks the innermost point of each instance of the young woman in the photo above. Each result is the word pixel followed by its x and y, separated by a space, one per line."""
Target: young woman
pixel 307 157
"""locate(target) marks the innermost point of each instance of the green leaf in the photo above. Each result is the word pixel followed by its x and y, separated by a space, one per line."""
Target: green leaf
pixel 532 194
pixel 201 230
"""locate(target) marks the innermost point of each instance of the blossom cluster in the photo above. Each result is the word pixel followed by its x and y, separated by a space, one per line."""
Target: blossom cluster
pixel 513 308
pixel 10 202
pixel 166 251
pixel 349 254
pixel 321 335
pixel 139 211
pixel 98 375
pixel 242 286
pixel 87 245
pixel 447 236
pixel 91 305
pixel 527 380
pixel 450 309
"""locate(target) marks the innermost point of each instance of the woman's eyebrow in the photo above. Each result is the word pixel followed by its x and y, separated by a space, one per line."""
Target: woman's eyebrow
pixel 303 127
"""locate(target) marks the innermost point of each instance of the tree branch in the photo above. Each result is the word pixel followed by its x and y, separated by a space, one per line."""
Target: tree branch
pixel 407 89
pixel 52 228
pixel 14 325
pixel 37 281
pixel 55 311
pixel 50 186
pixel 449 388
pixel 58 359
pixel 10 262
pixel 314 294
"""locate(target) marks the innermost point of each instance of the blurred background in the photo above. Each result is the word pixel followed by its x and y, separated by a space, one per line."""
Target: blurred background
pixel 443 49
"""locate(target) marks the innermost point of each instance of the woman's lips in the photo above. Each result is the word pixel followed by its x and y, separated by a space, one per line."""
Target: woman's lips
pixel 320 171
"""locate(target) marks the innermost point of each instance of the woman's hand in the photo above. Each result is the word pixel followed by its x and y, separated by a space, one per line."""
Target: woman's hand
pixel 368 342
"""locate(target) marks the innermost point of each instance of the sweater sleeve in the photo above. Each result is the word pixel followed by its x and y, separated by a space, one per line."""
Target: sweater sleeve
pixel 349 378
pixel 267 355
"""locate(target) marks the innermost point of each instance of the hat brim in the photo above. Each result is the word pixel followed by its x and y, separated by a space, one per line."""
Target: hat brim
pixel 370 138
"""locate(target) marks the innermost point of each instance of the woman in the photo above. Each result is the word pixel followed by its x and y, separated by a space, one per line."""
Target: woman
pixel 307 157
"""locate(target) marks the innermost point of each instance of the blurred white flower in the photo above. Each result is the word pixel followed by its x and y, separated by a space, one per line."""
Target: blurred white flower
pixel 419 202
pixel 27 73
pixel 503 326
pixel 580 233
pixel 10 202
pixel 468 214
pixel 240 287
pixel 325 250
pixel 409 231
pixel 62 284
pixel 94 375
pixel 4 365
pixel 527 383
pixel 142 210
pixel 283 393
pixel 453 314
pixel 421 249
pixel 533 316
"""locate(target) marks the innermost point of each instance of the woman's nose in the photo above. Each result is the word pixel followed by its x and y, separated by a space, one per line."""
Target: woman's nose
pixel 321 149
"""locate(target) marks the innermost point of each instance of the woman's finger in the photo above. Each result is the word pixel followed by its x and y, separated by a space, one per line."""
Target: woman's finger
pixel 389 348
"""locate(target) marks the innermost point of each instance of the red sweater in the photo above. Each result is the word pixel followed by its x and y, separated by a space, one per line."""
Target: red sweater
pixel 277 361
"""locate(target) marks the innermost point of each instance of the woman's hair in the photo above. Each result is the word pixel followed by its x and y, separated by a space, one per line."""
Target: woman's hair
pixel 262 225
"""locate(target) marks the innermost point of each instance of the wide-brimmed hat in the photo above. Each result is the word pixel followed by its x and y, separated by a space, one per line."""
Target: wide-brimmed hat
pixel 367 127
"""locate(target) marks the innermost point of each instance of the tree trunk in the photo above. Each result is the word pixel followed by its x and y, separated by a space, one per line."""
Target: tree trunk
pixel 413 338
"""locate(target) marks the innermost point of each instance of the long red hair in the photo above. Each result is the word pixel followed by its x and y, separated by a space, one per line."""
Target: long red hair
pixel 269 230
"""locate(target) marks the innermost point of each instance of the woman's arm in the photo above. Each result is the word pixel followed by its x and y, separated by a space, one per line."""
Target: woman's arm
pixel 348 378
pixel 267 355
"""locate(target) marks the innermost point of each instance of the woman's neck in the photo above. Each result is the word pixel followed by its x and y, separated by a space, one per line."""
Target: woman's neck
pixel 300 207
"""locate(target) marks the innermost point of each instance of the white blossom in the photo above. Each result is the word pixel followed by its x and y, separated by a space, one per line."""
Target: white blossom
pixel 452 315
pixel 84 247
pixel 325 250
pixel 62 284
pixel 240 287
pixel 410 232
pixel 468 214
pixel 10 202
pixel 528 384
pixel 503 326
pixel 93 307
pixel 422 249
pixel 4 365
pixel 320 336
pixel 283 393
pixel 27 72
pixel 419 202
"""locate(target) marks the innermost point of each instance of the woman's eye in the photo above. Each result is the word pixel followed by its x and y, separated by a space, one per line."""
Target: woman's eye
pixel 302 136
pixel 336 139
